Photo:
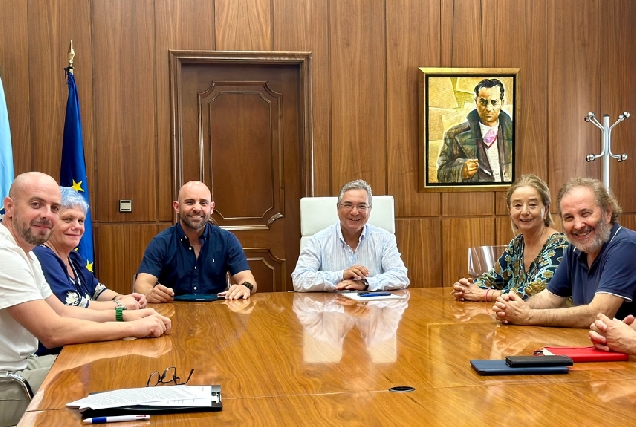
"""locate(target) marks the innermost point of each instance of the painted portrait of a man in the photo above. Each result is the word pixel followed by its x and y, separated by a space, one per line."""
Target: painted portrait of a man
pixel 479 149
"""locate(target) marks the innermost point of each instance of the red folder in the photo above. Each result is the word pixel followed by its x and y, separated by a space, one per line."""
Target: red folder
pixel 587 354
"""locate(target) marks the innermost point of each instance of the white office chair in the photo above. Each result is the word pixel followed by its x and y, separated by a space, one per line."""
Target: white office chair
pixel 318 213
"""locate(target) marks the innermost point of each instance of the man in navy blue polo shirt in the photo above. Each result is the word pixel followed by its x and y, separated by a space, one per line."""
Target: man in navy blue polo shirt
pixel 598 269
pixel 193 256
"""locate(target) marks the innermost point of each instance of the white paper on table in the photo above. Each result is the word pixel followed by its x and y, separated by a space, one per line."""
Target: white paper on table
pixel 142 395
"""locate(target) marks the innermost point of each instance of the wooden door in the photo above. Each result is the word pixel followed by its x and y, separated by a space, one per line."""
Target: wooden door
pixel 241 124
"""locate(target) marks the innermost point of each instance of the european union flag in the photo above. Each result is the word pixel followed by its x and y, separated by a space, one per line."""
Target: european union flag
pixel 73 169
pixel 6 153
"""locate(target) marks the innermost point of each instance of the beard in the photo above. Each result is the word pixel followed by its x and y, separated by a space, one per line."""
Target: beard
pixel 31 238
pixel 601 237
pixel 187 220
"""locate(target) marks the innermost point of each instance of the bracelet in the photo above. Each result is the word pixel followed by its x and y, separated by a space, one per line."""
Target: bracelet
pixel 119 314
pixel 117 297
pixel 118 304
pixel 486 296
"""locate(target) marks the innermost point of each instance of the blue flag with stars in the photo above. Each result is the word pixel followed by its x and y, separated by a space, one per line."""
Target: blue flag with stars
pixel 6 153
pixel 73 169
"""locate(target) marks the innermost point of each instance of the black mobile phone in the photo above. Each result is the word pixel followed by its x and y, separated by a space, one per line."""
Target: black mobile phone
pixel 531 361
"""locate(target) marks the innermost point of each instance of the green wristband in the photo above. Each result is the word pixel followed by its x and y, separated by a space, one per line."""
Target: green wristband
pixel 119 314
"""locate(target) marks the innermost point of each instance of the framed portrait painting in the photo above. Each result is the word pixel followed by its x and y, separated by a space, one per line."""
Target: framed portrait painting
pixel 468 118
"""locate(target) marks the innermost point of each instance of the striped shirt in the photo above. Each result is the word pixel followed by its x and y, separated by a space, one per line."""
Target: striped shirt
pixel 326 256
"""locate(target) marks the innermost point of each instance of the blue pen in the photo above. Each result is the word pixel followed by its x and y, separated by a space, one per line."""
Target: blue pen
pixel 375 294
pixel 115 419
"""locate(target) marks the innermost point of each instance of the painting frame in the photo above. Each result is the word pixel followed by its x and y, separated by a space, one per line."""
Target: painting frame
pixel 447 103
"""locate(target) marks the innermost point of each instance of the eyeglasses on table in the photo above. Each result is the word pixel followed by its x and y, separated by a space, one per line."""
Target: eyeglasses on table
pixel 169 376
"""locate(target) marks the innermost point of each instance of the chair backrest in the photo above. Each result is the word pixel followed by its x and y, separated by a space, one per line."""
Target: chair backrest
pixel 483 258
pixel 318 213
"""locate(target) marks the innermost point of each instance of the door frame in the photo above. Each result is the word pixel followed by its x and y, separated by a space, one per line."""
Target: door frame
pixel 180 57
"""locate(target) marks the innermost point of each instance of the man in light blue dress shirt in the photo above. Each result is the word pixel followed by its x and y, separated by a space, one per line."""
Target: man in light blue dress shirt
pixel 351 254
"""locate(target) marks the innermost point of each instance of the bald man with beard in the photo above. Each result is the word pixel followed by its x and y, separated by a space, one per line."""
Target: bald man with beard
pixel 28 309
pixel 194 256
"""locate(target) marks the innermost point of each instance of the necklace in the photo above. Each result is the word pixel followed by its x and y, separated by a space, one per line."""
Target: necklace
pixel 72 273
pixel 65 260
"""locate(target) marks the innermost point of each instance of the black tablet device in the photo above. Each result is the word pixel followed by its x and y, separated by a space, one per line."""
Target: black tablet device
pixel 198 297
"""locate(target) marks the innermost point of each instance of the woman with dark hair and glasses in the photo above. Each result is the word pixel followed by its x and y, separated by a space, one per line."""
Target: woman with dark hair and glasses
pixel 65 269
pixel 531 257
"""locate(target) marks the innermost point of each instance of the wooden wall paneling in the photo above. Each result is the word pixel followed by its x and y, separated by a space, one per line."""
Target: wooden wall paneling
pixel 557 223
pixel 468 204
pixel 413 40
pixel 490 25
pixel 243 24
pixel 503 231
pixel 297 180
pixel 96 265
pixel 47 55
pixel 419 240
pixel 52 25
pixel 446 32
pixel 123 40
pixel 14 70
pixel 310 33
pixel 466 51
pixel 179 24
pixel 358 64
pixel 618 93
pixel 468 43
pixel 628 220
pixel 500 203
pixel 526 50
pixel 184 25
pixel 459 234
pixel 122 248
pixel 573 88
pixel 359 102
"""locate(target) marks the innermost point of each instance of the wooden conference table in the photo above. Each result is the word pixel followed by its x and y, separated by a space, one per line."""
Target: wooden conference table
pixel 314 359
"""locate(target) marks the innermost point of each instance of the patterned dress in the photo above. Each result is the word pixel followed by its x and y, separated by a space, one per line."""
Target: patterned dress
pixel 509 273
pixel 78 291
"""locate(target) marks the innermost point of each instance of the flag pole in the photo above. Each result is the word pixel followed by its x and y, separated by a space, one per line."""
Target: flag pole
pixel 71 55
pixel 73 165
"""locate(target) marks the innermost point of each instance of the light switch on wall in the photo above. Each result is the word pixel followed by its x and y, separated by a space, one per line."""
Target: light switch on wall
pixel 125 206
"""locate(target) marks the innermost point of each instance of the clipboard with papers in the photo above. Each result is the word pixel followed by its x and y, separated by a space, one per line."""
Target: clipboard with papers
pixel 150 400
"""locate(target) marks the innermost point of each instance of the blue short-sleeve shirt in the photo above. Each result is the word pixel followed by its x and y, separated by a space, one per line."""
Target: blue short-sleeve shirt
pixel 612 272
pixel 170 258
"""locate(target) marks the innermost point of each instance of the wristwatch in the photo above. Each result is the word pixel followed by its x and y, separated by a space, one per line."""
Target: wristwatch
pixel 118 304
pixel 366 284
pixel 249 286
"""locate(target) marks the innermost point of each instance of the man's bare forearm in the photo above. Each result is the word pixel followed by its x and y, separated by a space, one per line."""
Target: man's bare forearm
pixel 544 300
pixel 572 317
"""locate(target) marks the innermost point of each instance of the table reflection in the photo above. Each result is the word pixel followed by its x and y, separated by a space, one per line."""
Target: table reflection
pixel 326 319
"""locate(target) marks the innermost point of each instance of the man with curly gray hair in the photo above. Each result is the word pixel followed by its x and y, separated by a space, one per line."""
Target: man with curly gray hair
pixel 598 269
